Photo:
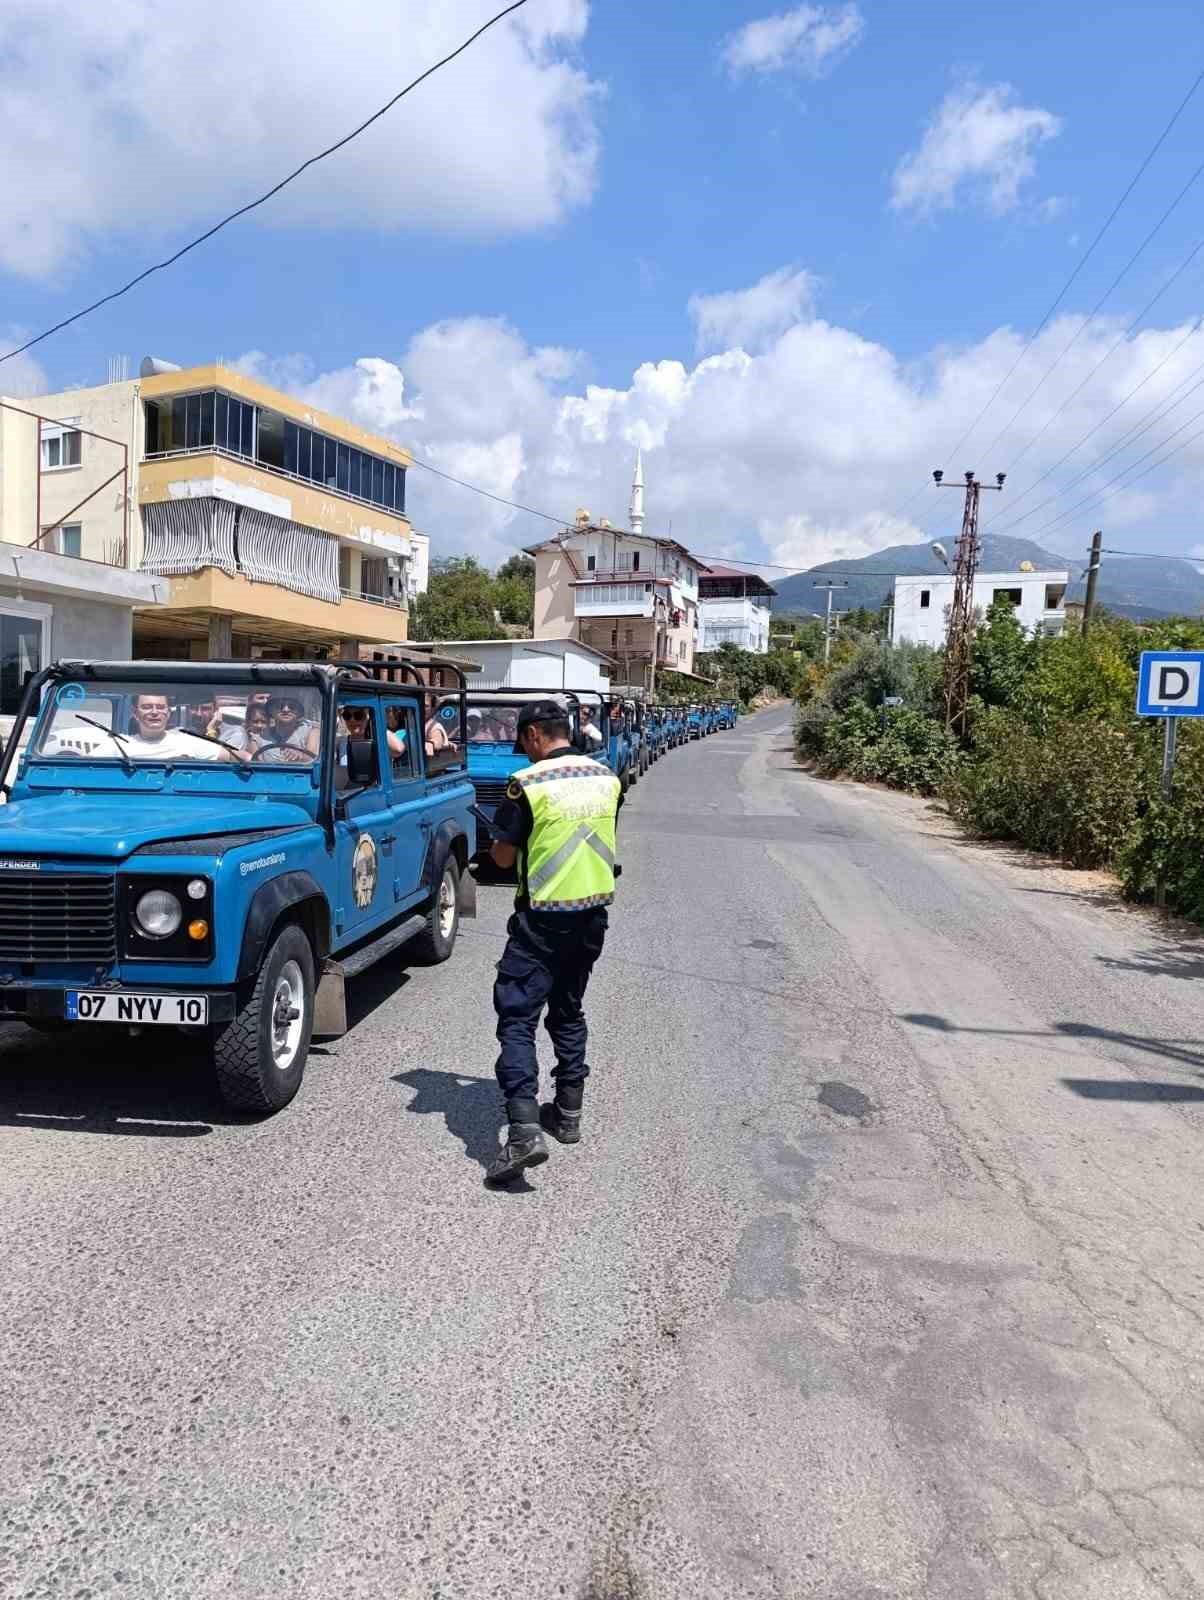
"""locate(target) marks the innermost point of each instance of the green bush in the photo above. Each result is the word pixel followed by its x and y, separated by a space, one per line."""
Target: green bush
pixel 905 749
pixel 1169 843
pixel 1078 793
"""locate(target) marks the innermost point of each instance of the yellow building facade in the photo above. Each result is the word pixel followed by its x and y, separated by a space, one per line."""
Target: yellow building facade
pixel 279 530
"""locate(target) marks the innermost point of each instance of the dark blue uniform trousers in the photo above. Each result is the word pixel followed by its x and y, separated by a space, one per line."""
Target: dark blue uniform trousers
pixel 547 962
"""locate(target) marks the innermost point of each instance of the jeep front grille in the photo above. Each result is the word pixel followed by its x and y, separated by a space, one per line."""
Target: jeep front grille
pixel 489 793
pixel 67 916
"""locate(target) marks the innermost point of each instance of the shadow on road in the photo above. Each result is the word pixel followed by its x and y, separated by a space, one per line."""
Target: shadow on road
pixel 1137 1089
pixel 1182 960
pixel 1185 1052
pixel 143 1087
pixel 470 1107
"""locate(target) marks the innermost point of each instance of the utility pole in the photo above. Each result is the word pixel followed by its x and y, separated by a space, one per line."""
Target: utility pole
pixel 1092 576
pixel 961 612
pixel 834 583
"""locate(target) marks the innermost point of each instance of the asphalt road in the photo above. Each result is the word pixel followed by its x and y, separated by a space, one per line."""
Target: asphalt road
pixel 878 1277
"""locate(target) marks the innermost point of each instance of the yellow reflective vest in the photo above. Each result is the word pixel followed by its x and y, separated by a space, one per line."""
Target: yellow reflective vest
pixel 569 861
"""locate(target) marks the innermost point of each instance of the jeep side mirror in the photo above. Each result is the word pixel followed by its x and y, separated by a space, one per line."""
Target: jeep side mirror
pixel 361 763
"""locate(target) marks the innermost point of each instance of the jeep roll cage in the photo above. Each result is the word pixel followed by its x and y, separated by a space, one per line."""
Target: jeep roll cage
pixel 384 675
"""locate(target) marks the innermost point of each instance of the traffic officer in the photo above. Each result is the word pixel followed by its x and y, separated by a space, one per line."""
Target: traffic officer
pixel 558 820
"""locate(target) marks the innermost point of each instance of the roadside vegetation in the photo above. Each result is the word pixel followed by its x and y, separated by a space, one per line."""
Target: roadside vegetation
pixel 1056 759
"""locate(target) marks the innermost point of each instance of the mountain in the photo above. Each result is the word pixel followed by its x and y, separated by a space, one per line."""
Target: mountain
pixel 1135 586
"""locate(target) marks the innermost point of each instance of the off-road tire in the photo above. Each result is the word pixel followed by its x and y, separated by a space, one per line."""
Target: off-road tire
pixel 434 944
pixel 247 1074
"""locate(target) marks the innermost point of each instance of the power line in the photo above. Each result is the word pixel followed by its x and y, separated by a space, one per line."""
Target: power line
pixel 515 505
pixel 251 205
pixel 1153 555
pixel 1082 262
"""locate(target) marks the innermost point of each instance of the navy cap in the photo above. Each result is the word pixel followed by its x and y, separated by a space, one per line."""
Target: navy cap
pixel 540 711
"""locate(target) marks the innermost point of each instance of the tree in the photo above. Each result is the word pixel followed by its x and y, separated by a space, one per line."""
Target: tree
pixel 514 590
pixel 459 603
pixel 1002 656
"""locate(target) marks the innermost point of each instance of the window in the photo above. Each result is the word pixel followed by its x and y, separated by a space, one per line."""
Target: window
pixel 374 577
pixel 1055 594
pixel 591 563
pixel 614 636
pixel 635 561
pixel 925 599
pixel 22 650
pixel 67 539
pixel 627 635
pixel 1013 595
pixel 345 568
pixel 60 448
pixel 403 729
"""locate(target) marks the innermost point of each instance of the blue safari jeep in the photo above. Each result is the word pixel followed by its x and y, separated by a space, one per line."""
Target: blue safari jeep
pixel 217 846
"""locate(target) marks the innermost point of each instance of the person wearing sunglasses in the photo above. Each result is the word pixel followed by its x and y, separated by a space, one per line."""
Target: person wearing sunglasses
pixel 289 723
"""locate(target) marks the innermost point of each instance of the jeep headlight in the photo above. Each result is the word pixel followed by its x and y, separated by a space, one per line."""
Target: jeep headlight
pixel 158 914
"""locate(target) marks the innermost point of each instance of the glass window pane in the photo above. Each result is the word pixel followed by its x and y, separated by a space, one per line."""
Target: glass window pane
pixel 303 452
pixel 206 401
pixel 357 473
pixel 221 424
pixel 71 539
pixel 51 451
pixel 192 422
pixel 20 654
pixel 176 442
pixel 389 477
pixel 378 480
pixel 248 430
pixel 291 431
pixel 332 472
pixel 317 465
pixel 150 412
pixel 71 449
pixel 344 468
pixel 399 502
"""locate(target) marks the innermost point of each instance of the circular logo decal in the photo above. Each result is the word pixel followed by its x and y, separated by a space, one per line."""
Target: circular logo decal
pixel 450 713
pixel 72 691
pixel 363 870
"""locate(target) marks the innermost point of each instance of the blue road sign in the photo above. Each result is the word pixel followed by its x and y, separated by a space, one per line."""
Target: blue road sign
pixel 1170 683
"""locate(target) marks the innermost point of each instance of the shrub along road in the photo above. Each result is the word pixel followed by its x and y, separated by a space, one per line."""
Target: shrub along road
pixel 879 1276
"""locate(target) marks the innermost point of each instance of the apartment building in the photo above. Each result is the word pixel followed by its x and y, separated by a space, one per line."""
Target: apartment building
pixel 733 608
pixel 278 530
pixel 920 607
pixel 623 592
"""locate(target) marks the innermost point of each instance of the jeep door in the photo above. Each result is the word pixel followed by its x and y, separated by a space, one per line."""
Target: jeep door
pixel 410 806
pixel 363 893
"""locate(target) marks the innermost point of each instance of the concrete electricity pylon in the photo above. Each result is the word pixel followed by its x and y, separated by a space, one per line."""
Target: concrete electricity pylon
pixel 961 613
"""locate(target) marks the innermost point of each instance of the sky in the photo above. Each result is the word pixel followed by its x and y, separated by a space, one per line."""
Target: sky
pixel 790 251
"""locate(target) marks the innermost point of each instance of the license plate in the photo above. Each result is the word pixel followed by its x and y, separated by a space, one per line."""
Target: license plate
pixel 179 1010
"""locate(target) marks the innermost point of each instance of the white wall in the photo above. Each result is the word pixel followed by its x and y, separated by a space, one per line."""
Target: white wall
pixel 530 663
pixel 716 619
pixel 921 608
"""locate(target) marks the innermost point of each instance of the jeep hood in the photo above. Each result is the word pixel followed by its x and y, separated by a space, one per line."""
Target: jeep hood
pixel 110 827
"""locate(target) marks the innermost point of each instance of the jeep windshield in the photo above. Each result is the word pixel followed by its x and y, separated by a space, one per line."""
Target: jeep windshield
pixel 141 723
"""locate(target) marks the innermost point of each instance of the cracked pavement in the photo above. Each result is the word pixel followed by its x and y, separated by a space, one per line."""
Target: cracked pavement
pixel 879 1275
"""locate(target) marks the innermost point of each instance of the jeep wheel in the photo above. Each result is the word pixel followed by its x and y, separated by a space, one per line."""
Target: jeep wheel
pixel 438 939
pixel 260 1057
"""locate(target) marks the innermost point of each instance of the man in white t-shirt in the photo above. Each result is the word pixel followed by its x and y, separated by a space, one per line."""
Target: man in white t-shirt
pixel 155 741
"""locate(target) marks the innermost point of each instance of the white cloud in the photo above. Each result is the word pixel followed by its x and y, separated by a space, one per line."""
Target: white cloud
pixel 127 117
pixel 753 317
pixel 797 453
pixel 980 144
pixel 808 39
pixel 21 375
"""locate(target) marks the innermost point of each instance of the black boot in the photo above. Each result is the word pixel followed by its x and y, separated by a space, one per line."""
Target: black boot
pixel 524 1146
pixel 562 1117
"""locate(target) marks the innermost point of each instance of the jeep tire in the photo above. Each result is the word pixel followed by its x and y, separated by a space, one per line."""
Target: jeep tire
pixel 259 1058
pixel 437 939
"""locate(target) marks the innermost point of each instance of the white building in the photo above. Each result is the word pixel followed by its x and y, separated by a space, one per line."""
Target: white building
pixel 531 663
pixel 733 608
pixel 920 608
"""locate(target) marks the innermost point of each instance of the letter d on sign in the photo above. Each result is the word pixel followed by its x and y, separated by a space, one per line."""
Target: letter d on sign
pixel 1173 685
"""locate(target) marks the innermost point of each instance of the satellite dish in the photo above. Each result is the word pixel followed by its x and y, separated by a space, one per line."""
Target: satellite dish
pixel 940 552
pixel 1027 566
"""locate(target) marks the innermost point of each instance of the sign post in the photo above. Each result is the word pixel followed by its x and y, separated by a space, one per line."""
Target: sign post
pixel 1170 685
